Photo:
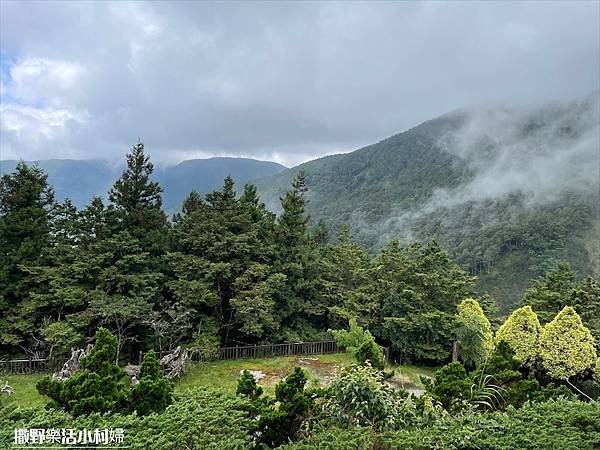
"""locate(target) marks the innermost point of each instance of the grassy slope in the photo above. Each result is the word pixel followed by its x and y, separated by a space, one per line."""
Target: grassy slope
pixel 321 369
pixel 25 392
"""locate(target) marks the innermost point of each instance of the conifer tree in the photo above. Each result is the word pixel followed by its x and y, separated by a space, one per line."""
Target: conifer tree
pixel 521 331
pixel 136 203
pixel 551 293
pixel 347 287
pixel 418 286
pixel 26 200
pixel 473 332
pixel 298 304
pixel 567 346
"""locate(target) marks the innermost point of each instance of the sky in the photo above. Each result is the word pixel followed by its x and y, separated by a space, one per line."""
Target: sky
pixel 286 81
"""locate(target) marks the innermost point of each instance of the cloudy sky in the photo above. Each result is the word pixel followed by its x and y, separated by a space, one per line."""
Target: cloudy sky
pixel 280 81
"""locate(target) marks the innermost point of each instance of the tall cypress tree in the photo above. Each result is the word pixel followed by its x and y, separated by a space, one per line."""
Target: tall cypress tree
pixel 25 203
pixel 136 203
pixel 298 304
pixel 347 287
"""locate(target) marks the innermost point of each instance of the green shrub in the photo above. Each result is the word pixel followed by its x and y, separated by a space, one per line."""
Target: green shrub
pixel 522 332
pixel 474 332
pixel 198 419
pixel 100 385
pixel 452 386
pixel 360 396
pixel 280 422
pixel 154 392
pixel 554 425
pixel 567 346
pixel 247 386
pixel 361 344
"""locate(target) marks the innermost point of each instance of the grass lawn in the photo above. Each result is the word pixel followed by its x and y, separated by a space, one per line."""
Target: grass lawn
pixel 321 369
pixel 25 392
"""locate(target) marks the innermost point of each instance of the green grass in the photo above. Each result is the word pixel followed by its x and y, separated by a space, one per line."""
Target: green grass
pixel 25 392
pixel 320 368
pixel 226 373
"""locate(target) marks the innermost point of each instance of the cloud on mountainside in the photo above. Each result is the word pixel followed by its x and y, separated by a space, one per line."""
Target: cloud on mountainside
pixel 281 81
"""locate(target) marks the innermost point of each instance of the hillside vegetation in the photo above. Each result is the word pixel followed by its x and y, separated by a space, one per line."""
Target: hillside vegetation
pixel 508 191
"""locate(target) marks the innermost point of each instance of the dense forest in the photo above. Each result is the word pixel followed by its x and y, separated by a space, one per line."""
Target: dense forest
pixel 509 191
pixel 124 277
pixel 224 271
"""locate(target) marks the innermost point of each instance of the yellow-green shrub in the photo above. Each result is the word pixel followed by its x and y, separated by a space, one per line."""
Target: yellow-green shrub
pixel 567 346
pixel 522 332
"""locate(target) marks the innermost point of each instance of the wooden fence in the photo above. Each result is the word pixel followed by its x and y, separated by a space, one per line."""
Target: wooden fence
pixel 264 351
pixel 23 366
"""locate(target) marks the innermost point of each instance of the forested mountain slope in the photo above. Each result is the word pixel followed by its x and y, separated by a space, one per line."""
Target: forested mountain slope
pixel 79 180
pixel 508 190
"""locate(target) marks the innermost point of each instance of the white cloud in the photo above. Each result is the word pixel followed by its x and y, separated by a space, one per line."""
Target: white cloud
pixel 26 131
pixel 287 80
pixel 42 79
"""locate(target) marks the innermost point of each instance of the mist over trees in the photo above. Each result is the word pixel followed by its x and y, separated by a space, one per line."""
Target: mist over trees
pixel 224 271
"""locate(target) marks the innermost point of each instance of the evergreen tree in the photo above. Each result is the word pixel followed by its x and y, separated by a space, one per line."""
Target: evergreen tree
pixel 25 203
pixel 473 332
pixel 552 292
pixel 300 311
pixel 585 298
pixel 100 385
pixel 567 346
pixel 522 332
pixel 347 287
pixel 154 392
pixel 418 286
pixel 136 203
pixel 126 288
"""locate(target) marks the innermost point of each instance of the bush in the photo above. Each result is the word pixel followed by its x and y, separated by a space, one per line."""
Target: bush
pixel 280 424
pixel 474 332
pixel 360 344
pixel 154 392
pixel 359 396
pixel 452 386
pixel 100 385
pixel 554 425
pixel 567 346
pixel 198 419
pixel 522 332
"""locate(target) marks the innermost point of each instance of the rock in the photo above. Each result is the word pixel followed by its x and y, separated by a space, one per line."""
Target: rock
pixel 257 374
pixel 72 363
pixel 174 363
pixel 133 372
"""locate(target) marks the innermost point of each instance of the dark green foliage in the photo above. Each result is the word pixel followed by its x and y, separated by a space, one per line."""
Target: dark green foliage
pixel 26 200
pixel 360 344
pixel 554 425
pixel 247 386
pixel 416 186
pixel 551 293
pixel 300 309
pixel 418 286
pixel 100 385
pixel 198 419
pixel 281 423
pixel 347 288
pixel 558 288
pixel 452 386
pixel 154 392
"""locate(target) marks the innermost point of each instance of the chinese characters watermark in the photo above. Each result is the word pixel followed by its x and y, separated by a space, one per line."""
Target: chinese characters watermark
pixel 69 436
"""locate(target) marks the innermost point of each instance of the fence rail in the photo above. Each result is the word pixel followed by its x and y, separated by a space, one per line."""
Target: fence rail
pixel 28 366
pixel 25 366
